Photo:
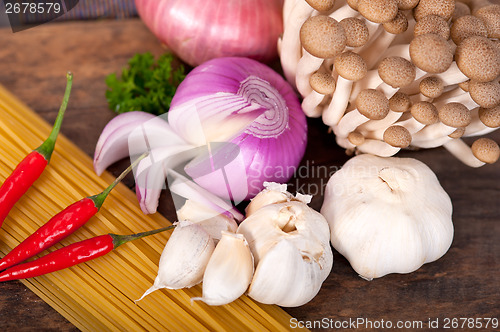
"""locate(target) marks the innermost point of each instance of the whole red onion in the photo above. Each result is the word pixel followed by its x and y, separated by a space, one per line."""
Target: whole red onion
pixel 200 30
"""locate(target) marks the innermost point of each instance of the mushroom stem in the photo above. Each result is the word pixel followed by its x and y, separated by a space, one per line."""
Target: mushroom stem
pixel 343 12
pixel 337 106
pixel 463 152
pixel 374 50
pixel 378 148
pixel 374 125
pixel 307 66
pixel 311 104
pixel 290 49
pixel 349 122
pixel 432 132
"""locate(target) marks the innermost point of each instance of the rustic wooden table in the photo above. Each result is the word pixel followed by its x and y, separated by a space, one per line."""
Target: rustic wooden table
pixel 462 284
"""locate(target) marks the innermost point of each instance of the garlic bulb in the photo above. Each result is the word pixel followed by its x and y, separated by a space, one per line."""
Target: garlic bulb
pixel 387 215
pixel 185 257
pixel 229 270
pixel 291 249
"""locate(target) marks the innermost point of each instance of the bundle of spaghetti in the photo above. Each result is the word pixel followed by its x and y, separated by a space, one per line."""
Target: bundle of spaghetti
pixel 100 294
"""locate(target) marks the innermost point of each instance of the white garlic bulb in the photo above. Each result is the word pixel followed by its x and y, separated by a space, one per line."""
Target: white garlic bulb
pixel 291 248
pixel 184 258
pixel 229 270
pixel 387 215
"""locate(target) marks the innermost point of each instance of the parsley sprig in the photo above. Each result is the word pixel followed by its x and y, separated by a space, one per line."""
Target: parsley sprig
pixel 145 85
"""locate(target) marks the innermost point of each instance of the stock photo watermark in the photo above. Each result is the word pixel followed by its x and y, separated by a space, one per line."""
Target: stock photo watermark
pixel 26 14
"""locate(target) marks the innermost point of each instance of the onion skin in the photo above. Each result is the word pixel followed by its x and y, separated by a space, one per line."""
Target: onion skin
pixel 200 30
pixel 273 158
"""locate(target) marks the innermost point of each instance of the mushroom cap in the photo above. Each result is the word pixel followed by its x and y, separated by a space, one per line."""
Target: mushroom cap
pixel 356 31
pixel 322 82
pixel 455 115
pixel 486 150
pixel 373 104
pixel 400 102
pixel 398 25
pixel 490 117
pixel 431 53
pixel 432 24
pixel 464 85
pixel 478 58
pixel 321 5
pixel 485 94
pixel 461 9
pixel 459 132
pixel 356 138
pixel 322 36
pixel 350 66
pixel 425 112
pixel 490 15
pixel 443 8
pixel 397 136
pixel 431 86
pixel 378 11
pixel 467 26
pixel 397 71
pixel 353 4
pixel 407 4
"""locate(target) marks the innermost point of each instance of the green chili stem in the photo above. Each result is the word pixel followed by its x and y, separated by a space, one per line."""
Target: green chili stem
pixel 118 240
pixel 47 147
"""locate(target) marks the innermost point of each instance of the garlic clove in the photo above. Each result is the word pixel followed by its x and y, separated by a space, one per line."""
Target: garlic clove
pixel 212 221
pixel 229 270
pixel 184 259
pixel 272 193
pixel 288 277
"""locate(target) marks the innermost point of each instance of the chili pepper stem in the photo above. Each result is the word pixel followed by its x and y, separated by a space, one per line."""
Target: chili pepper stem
pixel 47 147
pixel 118 240
pixel 99 198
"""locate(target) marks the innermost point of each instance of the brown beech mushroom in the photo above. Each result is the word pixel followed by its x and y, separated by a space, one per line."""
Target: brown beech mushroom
pixel 397 136
pixel 398 25
pixel 485 94
pixel 350 67
pixel 396 71
pixel 485 120
pixel 322 84
pixel 431 53
pixel 407 4
pixel 378 11
pixel 432 24
pixel 356 138
pixel 356 31
pixel 490 15
pixel 322 37
pixel 483 151
pixel 371 105
pixel 459 132
pixel 443 8
pixel 431 87
pixel 461 9
pixel 321 5
pixel 467 26
pixel 478 58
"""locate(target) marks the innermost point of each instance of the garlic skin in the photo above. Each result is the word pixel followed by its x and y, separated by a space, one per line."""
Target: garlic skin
pixel 387 215
pixel 291 247
pixel 213 222
pixel 229 270
pixel 184 259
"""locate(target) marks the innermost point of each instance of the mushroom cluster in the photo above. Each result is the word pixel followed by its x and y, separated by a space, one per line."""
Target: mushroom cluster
pixel 386 75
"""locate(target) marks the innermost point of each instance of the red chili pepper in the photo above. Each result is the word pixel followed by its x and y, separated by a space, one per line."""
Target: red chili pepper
pixel 71 255
pixel 61 225
pixel 32 166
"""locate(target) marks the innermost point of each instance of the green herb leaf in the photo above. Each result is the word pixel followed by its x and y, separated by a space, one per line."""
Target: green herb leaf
pixel 145 85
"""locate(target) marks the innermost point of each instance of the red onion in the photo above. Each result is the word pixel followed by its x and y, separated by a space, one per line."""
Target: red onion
pixel 234 121
pixel 199 30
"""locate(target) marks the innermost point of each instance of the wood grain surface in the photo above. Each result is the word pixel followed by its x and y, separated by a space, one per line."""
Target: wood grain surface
pixel 462 284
